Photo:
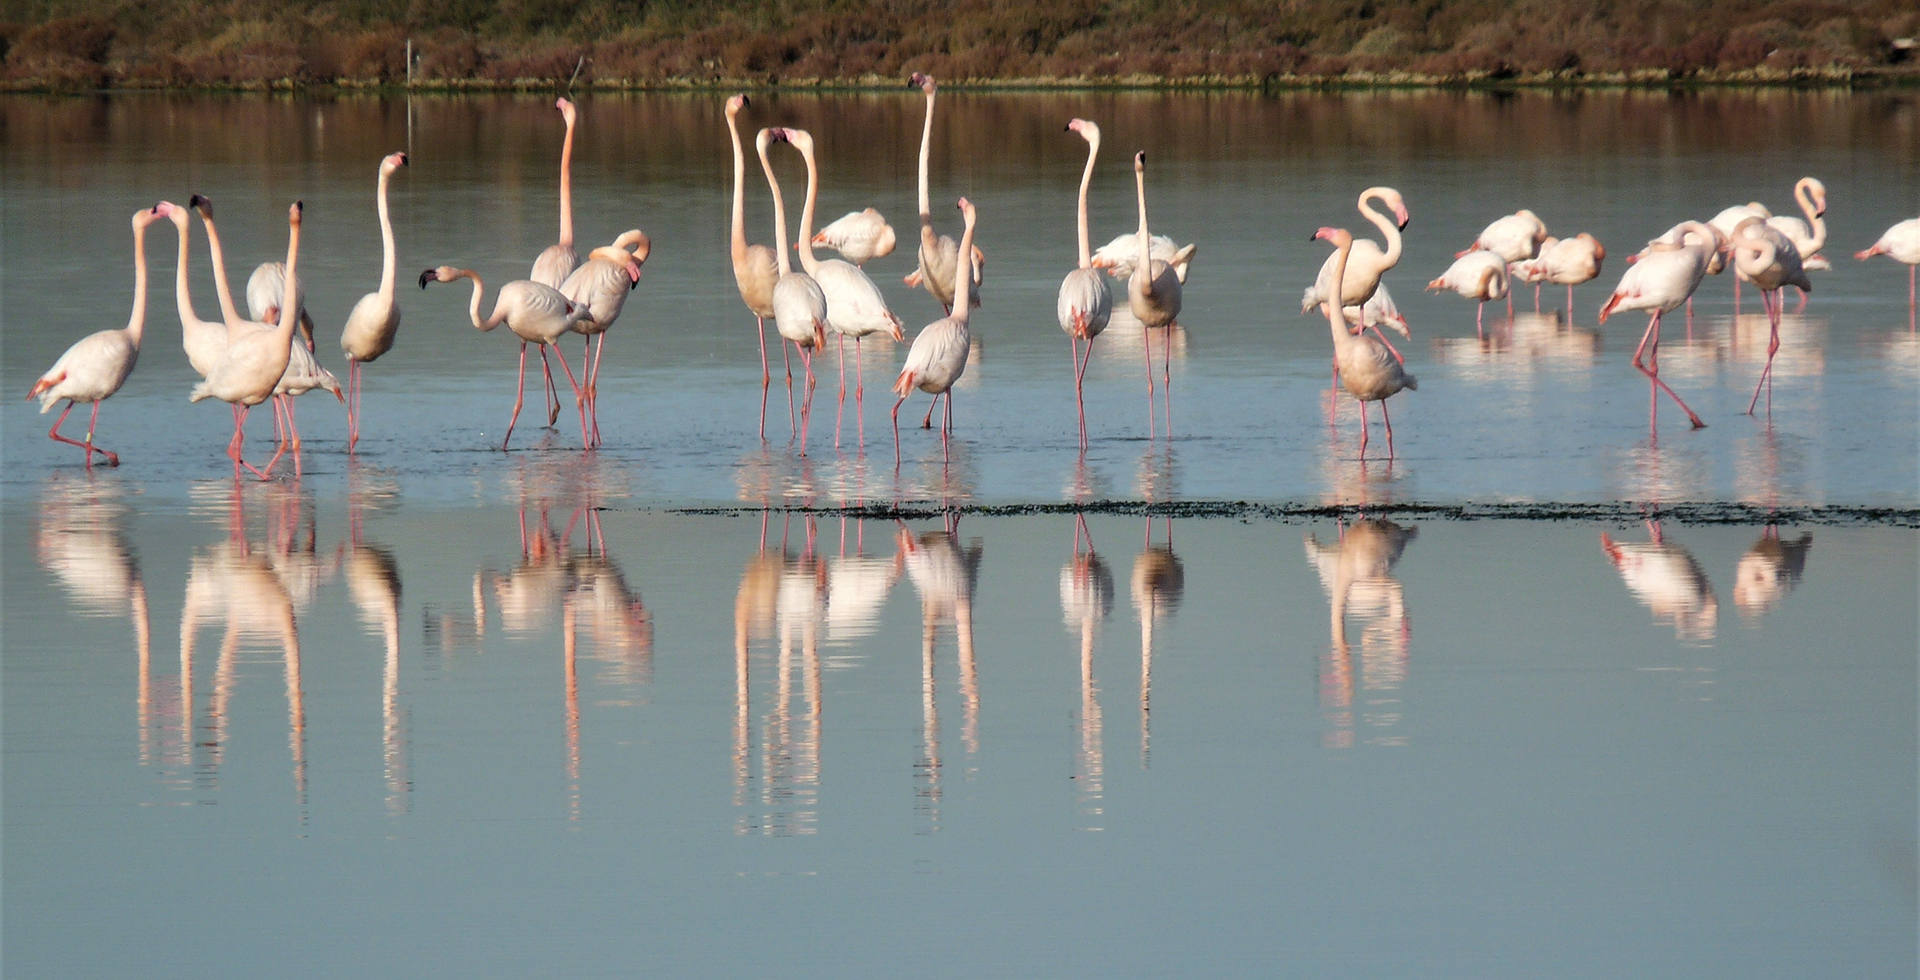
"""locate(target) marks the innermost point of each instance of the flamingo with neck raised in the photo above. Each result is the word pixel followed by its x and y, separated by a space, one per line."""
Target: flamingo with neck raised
pixel 375 318
pixel 1153 296
pixel 256 360
pixel 1086 301
pixel 939 254
pixel 754 268
pixel 939 354
pixel 1371 371
pixel 799 305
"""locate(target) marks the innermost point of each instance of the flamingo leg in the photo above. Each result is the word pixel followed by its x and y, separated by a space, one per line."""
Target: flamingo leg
pixel 267 474
pixel 1652 371
pixel 1569 304
pixel 859 395
pixel 1772 300
pixel 519 397
pixel 279 412
pixel 1388 420
pixel 1146 347
pixel 353 404
pixel 1363 431
pixel 553 391
pixel 586 437
pixel 1536 309
pixel 766 375
pixel 1479 320
pixel 840 412
pixel 1166 378
pixel 593 388
pixel 54 434
pixel 946 429
pixel 927 423
pixel 896 431
pixel 806 400
pixel 793 428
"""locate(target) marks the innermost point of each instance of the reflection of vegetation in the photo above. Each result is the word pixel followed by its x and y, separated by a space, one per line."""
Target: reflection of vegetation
pixel 87 43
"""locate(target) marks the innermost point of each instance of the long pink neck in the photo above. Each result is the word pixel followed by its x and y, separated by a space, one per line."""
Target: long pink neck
pixel 566 188
pixel 182 290
pixel 1336 316
pixel 779 211
pixel 963 275
pixel 289 308
pixel 137 323
pixel 1387 228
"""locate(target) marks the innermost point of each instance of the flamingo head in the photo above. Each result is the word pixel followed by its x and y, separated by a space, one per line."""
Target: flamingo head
pixel 567 111
pixel 966 209
pixel 1140 162
pixel 392 162
pixel 801 140
pixel 921 81
pixel 1086 128
pixel 147 216
pixel 203 205
pixel 1339 237
pixel 445 273
pixel 295 213
pixel 735 104
pixel 1819 192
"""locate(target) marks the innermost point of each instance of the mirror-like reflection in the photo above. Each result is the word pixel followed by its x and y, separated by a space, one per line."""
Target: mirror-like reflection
pixel 782 596
pixel 1664 577
pixel 1768 571
pixel 1356 573
pixel 1159 584
pixel 945 573
pixel 1086 600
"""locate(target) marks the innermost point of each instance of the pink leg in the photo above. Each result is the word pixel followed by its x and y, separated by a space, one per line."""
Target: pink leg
pixel 946 428
pixel 1479 320
pixel 927 423
pixel 267 473
pixel 896 431
pixel 1772 300
pixel 1389 423
pixel 1073 346
pixel 1166 377
pixel 1536 309
pixel 793 428
pixel 859 395
pixel 1569 304
pixel 54 434
pixel 839 413
pixel 353 404
pixel 766 376
pixel 553 394
pixel 519 397
pixel 585 435
pixel 1363 431
pixel 806 398
pixel 1146 344
pixel 1652 370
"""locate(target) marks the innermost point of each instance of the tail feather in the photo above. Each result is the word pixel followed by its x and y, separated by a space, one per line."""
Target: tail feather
pixel 1612 301
pixel 200 392
pixel 43 384
pixel 903 386
pixel 1413 383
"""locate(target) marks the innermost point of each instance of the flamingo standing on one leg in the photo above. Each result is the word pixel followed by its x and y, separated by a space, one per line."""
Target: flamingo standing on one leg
pixel 939 354
pixel 95 367
pixel 1567 262
pixel 257 360
pixel 536 313
pixel 375 318
pixel 1767 257
pixel 1478 275
pixel 601 284
pixel 754 269
pixel 855 307
pixel 939 254
pixel 1371 371
pixel 1515 238
pixel 1661 281
pixel 1153 295
pixel 799 306
pixel 1086 301
pixel 1902 243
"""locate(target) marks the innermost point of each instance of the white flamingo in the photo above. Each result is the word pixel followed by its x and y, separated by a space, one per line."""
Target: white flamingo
pixel 557 261
pixel 1086 301
pixel 1119 256
pixel 754 269
pixel 1902 243
pixel 1514 238
pixel 256 360
pixel 375 319
pixel 1479 275
pixel 799 306
pixel 939 354
pixel 1808 236
pixel 95 367
pixel 601 284
pixel 536 313
pixel 939 254
pixel 1768 258
pixel 859 236
pixel 1564 262
pixel 1369 261
pixel 1368 367
pixel 855 307
pixel 1724 223
pixel 1661 282
pixel 1153 296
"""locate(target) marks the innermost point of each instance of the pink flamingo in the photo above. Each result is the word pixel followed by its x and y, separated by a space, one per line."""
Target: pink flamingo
pixel 1086 301
pixel 1902 243
pixel 1661 282
pixel 537 314
pixel 754 268
pixel 1153 296
pixel 257 360
pixel 375 318
pixel 1768 258
pixel 939 354
pixel 1369 369
pixel 799 305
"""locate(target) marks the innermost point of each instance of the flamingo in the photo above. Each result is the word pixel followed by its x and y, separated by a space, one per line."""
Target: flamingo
pixel 1118 257
pixel 754 269
pixel 1809 236
pixel 601 284
pixel 557 261
pixel 1661 282
pixel 1566 262
pixel 1478 274
pixel 536 313
pixel 1514 238
pixel 1368 367
pixel 1086 301
pixel 939 354
pixel 939 256
pixel 205 341
pixel 376 317
pixel 266 292
pixel 1153 295
pixel 1902 242
pixel 855 307
pixel 799 305
pixel 1368 262
pixel 1724 223
pixel 95 367
pixel 859 236
pixel 256 360
pixel 1767 257
pixel 1678 235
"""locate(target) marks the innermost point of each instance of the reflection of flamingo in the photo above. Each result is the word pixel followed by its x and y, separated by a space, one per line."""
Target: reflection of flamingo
pixel 1086 302
pixel 375 318
pixel 601 284
pixel 1357 574
pixel 1902 243
pixel 1153 296
pixel 256 360
pixel 754 268
pixel 80 542
pixel 1768 259
pixel 1768 571
pixel 1660 282
pixel 1665 578
pixel 1159 584
pixel 536 313
pixel 946 575
pixel 799 305
pixel 1086 598
pixel 939 254
pixel 939 354
pixel 373 582
pixel 855 307
pixel 1368 367
pixel 558 260
pixel 96 366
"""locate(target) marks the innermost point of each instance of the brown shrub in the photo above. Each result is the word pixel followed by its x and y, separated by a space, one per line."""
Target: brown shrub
pixel 83 38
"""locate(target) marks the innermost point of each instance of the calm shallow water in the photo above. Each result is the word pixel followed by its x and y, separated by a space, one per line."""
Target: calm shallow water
pixel 444 711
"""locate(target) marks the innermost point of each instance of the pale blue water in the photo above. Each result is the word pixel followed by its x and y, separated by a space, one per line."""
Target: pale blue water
pixel 446 712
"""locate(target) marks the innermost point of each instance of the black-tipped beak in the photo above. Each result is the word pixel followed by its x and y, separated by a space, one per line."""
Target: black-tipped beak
pixel 1404 224
pixel 1069 127
pixel 1313 237
pixel 405 160
pixel 745 102
pixel 427 277
pixel 201 204
pixel 300 206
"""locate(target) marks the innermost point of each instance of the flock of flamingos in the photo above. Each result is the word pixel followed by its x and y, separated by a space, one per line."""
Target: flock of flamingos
pixel 247 360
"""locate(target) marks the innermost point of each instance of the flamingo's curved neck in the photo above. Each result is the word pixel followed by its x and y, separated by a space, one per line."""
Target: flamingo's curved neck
pixel 804 244
pixel 963 276
pixel 739 193
pixel 926 148
pixel 137 324
pixel 1803 194
pixel 228 312
pixel 779 210
pixel 1086 178
pixel 388 256
pixel 566 187
pixel 1145 268
pixel 289 308
pixel 473 308
pixel 1386 226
